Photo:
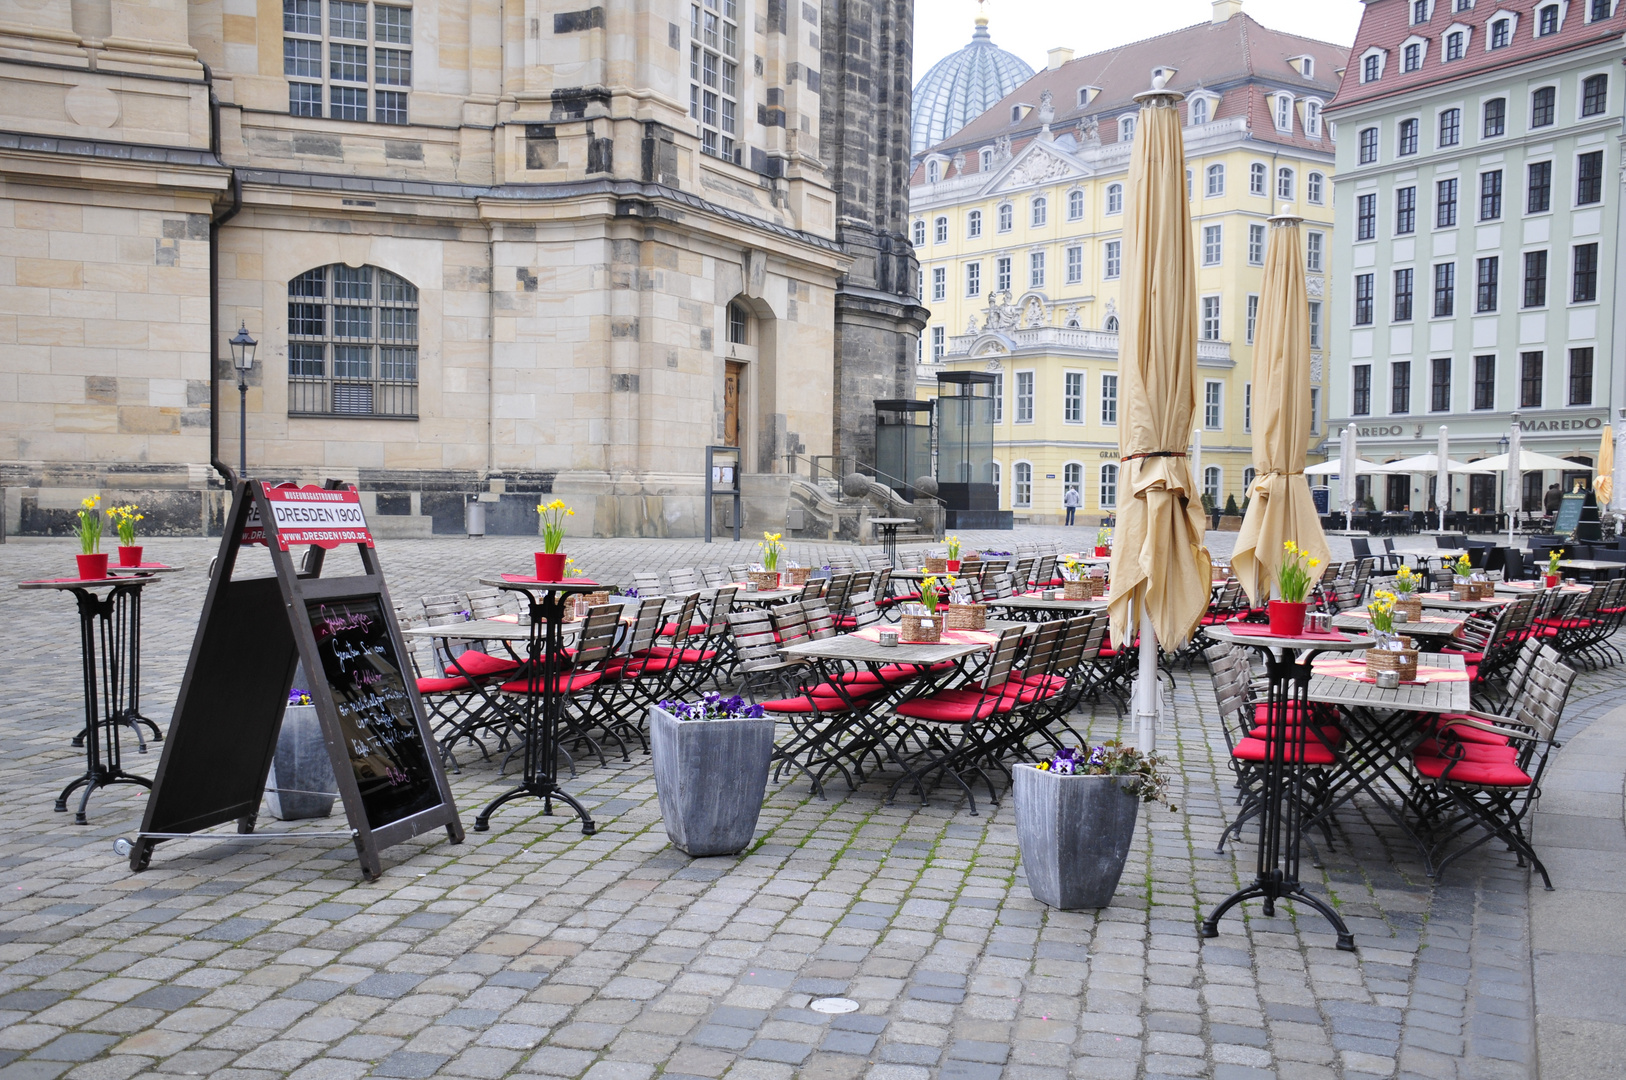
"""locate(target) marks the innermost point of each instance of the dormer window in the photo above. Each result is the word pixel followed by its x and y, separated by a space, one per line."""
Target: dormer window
pixel 1312 118
pixel 1126 127
pixel 1412 54
pixel 1087 94
pixel 1456 43
pixel 1284 112
pixel 985 159
pixel 1501 33
pixel 934 171
pixel 1016 114
pixel 1420 11
pixel 1307 67
pixel 1598 10
pixel 1463 5
pixel 1372 65
pixel 1199 111
pixel 1547 21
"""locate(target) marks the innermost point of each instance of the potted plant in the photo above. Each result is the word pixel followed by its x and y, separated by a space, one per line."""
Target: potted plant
pixel 1293 581
pixel 550 561
pixel 952 563
pixel 1231 520
pixel 124 521
pixel 1103 543
pixel 1406 599
pixel 711 771
pixel 1393 652
pixel 92 560
pixel 772 547
pixel 920 624
pixel 301 770
pixel 1075 818
pixel 1554 575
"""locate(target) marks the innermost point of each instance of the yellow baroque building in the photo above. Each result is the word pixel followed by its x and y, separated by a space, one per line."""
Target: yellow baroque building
pixel 1017 220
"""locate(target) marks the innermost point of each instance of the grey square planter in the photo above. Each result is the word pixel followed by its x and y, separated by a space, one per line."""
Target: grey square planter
pixel 301 764
pixel 710 776
pixel 1074 832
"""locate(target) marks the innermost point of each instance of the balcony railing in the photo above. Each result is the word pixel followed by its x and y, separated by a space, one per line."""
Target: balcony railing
pixel 1040 338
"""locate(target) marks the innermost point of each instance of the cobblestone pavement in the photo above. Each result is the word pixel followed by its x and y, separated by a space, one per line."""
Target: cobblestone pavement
pixel 532 950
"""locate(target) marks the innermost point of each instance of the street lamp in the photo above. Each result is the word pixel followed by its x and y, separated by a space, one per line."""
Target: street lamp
pixel 242 358
pixel 1502 447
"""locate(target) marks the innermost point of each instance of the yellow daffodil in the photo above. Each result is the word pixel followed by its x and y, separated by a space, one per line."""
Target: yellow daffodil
pixel 553 524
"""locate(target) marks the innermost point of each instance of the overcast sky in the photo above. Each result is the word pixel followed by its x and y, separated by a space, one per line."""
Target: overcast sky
pixel 1030 28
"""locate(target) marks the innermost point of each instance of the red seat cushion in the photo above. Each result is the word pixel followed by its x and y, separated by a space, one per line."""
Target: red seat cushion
pixel 477 663
pixel 564 683
pixel 1469 751
pixel 1466 734
pixel 631 668
pixel 685 656
pixel 950 710
pixel 1564 624
pixel 1467 657
pixel 822 699
pixel 1330 732
pixel 1053 683
pixel 441 686
pixel 671 629
pixel 1489 773
pixel 1259 750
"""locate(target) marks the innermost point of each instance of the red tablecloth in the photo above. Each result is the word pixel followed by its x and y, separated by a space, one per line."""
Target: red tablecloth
pixel 1355 670
pixel 950 637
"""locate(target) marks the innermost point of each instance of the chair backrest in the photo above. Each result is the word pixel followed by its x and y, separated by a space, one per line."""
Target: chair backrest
pixel 647 584
pixel 1045 651
pixel 715 577
pixel 1448 541
pixel 1231 675
pixel 881 587
pixel 820 621
pixel 755 644
pixel 487 603
pixel 790 622
pixel 1360 546
pixel 443 604
pixel 721 605
pixel 812 590
pixel 1515 567
pixel 687 611
pixel 598 636
pixel 1075 643
pixel 862 580
pixel 1004 655
pixel 999 587
pixel 841 587
pixel 1540 706
pixel 839 561
pixel 646 624
pixel 683 580
pixel 861 606
pixel 1044 571
pixel 911 558
pixel 878 561
pixel 1023 572
pixel 737 571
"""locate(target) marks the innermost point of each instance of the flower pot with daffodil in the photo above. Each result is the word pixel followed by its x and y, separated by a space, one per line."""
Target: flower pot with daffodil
pixel 1103 543
pixel 952 563
pixel 1407 601
pixel 1554 575
pixel 92 559
pixel 124 521
pixel 550 561
pixel 921 624
pixel 1393 652
pixel 1077 584
pixel 773 550
pixel 1294 577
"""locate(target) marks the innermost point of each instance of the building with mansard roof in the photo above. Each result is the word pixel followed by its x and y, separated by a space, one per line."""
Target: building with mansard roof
pixel 962 86
pixel 1479 213
pixel 1017 220
pixel 485 246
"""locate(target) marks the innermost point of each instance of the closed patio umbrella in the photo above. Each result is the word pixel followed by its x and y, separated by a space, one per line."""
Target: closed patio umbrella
pixel 1515 477
pixel 1442 476
pixel 1281 509
pixel 1161 573
pixel 1349 461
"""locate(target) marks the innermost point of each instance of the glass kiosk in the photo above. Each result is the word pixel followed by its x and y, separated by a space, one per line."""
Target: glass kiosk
pixel 965 451
pixel 903 444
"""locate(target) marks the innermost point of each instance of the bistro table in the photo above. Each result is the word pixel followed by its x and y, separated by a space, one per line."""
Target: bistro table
pixel 1383 727
pixel 1048 609
pixel 1536 588
pixel 110 655
pixel 1281 815
pixel 815 751
pixel 1429 626
pixel 134 717
pixel 1591 566
pixel 889 535
pixel 1444 601
pixel 544 705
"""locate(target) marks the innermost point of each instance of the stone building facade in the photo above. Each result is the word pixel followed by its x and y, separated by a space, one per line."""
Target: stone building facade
pixel 502 246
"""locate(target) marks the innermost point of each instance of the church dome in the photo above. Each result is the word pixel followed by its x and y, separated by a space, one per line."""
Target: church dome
pixel 962 86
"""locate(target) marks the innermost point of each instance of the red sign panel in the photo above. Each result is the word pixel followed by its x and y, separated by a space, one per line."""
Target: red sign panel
pixel 313 515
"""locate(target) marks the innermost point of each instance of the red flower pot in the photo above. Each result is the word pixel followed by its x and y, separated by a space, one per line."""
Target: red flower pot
pixel 1103 552
pixel 550 567
pixel 953 565
pixel 1287 620
pixel 1553 580
pixel 92 567
pixel 130 556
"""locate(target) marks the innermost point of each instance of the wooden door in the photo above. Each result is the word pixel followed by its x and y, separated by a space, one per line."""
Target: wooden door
pixel 733 376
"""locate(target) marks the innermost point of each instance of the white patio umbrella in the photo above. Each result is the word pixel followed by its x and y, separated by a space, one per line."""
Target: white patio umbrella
pixel 1335 467
pixel 1529 461
pixel 1349 468
pixel 1442 476
pixel 1514 479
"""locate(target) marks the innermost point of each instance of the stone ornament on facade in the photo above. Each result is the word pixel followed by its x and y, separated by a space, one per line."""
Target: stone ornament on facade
pixel 1315 286
pixel 1002 313
pixel 1033 313
pixel 1040 166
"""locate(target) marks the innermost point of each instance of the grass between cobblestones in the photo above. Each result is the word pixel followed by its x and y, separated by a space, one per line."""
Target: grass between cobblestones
pixel 532 950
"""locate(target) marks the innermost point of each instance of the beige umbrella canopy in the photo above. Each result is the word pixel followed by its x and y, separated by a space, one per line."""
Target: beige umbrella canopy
pixel 1604 483
pixel 1159 565
pixel 1281 508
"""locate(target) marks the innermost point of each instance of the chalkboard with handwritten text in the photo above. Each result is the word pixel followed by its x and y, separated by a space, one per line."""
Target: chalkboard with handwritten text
pixel 1569 515
pixel 381 735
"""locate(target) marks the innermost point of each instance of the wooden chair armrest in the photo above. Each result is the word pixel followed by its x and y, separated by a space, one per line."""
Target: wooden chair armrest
pixel 1492 724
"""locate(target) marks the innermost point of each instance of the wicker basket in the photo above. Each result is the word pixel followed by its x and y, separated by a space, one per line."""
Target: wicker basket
pixel 1083 589
pixel 966 616
pixel 969 557
pixel 935 565
pixel 1404 661
pixel 1483 590
pixel 765 580
pixel 913 633
pixel 1413 607
pixel 797 575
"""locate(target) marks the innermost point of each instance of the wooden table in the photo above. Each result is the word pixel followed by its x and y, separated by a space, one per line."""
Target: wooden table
pixel 1535 588
pixel 1050 609
pixel 1383 727
pixel 1282 794
pixel 1449 602
pixel 1592 566
pixel 1429 626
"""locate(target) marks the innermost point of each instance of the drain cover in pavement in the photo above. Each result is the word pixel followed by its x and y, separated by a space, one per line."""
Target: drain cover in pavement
pixel 834 1005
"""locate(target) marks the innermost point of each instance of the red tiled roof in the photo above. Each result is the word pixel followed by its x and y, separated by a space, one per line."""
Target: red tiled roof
pixel 1216 56
pixel 1386 24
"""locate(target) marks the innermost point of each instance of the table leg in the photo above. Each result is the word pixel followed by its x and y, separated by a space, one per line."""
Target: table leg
pixel 104 670
pixel 1281 816
pixel 542 713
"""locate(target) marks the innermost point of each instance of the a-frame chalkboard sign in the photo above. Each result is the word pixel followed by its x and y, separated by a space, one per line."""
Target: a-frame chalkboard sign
pixel 253 631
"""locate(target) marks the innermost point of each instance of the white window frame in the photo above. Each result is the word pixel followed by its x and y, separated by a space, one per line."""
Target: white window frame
pixel 1072 479
pixel 1075 205
pixel 1312 117
pixel 1535 19
pixel 940 229
pixel 918 233
pixel 1609 15
pixel 1109 399
pixel 1382 58
pixel 999 397
pixel 1257 240
pixel 1210 313
pixel 1005 217
pixel 1038 212
pixel 1282 111
pixel 1213 482
pixel 1112 263
pixel 1022 409
pixel 939 343
pixel 1247 408
pixel 1512 19
pixel 1075 264
pixel 939 284
pixel 973 279
pixel 1115 199
pixel 1412 11
pixel 1213 404
pixel 1004 273
pixel 1315 410
pixel 1126 127
pixel 1315 324
pixel 1072 396
pixel 973 225
pixel 1106 490
pixel 1214 181
pixel 1021 489
pixel 1259 179
pixel 1253 322
pixel 1315 188
pixel 1036 270
pixel 1315 251
pixel 1467 33
pixel 1406 47
pixel 1213 245
pixel 1287 184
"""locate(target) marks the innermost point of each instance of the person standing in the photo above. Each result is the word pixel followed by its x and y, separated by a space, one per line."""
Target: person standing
pixel 1553 500
pixel 1072 501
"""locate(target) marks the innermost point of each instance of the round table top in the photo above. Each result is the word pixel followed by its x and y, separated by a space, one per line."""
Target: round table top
pixel 144 568
pixel 891 521
pixel 525 584
pixel 90 583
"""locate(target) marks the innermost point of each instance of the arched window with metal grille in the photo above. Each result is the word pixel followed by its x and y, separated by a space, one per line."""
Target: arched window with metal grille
pixel 352 343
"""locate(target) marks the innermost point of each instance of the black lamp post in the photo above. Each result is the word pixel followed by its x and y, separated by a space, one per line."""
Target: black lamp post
pixel 242 358
pixel 1502 447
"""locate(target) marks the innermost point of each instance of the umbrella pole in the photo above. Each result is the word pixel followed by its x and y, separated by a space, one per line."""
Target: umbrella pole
pixel 1146 685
